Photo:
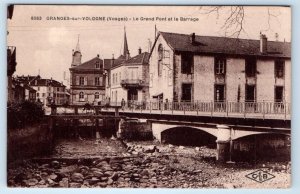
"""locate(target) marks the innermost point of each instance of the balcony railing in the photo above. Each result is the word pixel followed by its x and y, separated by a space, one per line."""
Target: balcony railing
pixel 228 109
pixel 132 83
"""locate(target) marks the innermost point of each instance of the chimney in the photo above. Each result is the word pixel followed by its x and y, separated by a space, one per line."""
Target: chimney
pixel 263 44
pixel 140 50
pixel 98 55
pixel 192 38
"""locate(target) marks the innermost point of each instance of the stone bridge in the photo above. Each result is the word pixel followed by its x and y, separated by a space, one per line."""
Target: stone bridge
pixel 222 133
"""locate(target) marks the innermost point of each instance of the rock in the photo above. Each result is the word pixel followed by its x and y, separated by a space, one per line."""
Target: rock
pixel 228 186
pixel 50 181
pixel 42 182
pixel 55 164
pixel 181 147
pixel 103 184
pixel 77 177
pixel 104 178
pixel 110 181
pixel 197 149
pixel 145 172
pixel 32 182
pixel 64 183
pixel 93 180
pixel 171 146
pixel 75 185
pixel 150 149
pixel 98 173
pixel 197 171
pixel 53 177
pixel 114 176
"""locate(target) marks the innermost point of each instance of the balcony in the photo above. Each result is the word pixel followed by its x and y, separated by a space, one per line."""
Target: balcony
pixel 132 83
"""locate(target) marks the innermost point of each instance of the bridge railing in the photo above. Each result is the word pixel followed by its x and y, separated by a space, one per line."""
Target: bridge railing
pixel 226 108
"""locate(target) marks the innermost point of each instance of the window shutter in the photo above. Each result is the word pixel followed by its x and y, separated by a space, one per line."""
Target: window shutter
pixel 85 81
pixel 77 80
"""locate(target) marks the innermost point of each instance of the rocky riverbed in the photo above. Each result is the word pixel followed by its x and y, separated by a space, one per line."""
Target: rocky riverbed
pixel 111 163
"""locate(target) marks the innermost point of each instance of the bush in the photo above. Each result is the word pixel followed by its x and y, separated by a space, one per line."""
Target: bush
pixel 23 114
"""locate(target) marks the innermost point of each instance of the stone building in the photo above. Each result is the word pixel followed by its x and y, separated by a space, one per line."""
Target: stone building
pixel 45 90
pixel 128 77
pixel 87 80
pixel 190 68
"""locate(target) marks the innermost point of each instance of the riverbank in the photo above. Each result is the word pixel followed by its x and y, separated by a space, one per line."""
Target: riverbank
pixel 114 164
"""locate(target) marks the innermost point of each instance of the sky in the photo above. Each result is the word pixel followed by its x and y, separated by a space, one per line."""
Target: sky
pixel 45 46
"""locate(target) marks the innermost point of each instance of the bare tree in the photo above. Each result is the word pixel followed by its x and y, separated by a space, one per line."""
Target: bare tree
pixel 234 18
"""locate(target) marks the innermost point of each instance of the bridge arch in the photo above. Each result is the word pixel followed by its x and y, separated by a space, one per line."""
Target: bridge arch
pixel 262 146
pixel 188 136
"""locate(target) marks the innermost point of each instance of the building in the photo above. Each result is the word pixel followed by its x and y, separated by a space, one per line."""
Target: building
pixel 11 61
pixel 87 80
pixel 128 78
pixel 46 90
pixel 191 68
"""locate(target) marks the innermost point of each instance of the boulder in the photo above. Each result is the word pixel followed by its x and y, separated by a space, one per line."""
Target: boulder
pixel 77 177
pixel 64 183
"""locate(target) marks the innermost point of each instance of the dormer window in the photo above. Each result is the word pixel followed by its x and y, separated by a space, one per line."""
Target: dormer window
pixel 97 64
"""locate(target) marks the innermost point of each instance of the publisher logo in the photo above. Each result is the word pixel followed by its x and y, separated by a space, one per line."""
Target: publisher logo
pixel 260 176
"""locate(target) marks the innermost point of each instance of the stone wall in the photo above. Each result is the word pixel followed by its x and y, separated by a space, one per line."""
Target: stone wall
pixel 135 130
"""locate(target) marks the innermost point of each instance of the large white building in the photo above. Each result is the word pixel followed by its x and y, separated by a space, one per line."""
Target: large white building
pixel 191 68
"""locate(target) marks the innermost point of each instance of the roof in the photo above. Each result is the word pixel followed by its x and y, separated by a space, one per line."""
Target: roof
pixel 89 64
pixel 225 45
pixel 47 82
pixel 139 59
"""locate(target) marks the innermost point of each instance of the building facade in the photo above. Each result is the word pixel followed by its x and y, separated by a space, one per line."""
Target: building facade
pixel 130 79
pixel 43 90
pixel 87 80
pixel 190 68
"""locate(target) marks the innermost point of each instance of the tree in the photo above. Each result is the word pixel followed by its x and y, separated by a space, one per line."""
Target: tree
pixel 234 18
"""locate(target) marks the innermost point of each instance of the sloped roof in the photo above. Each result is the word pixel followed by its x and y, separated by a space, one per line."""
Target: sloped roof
pixel 89 64
pixel 136 60
pixel 139 59
pixel 47 82
pixel 224 45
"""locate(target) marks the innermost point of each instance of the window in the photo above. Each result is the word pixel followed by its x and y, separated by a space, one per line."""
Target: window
pixel 38 88
pixel 219 93
pixel 81 81
pixel 186 92
pixel 279 94
pixel 97 81
pixel 97 64
pixel 186 63
pixel 250 67
pixel 37 94
pixel 81 96
pixel 160 59
pixel 57 89
pixel 43 94
pixel 279 68
pixel 96 95
pixel 250 93
pixel 220 65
